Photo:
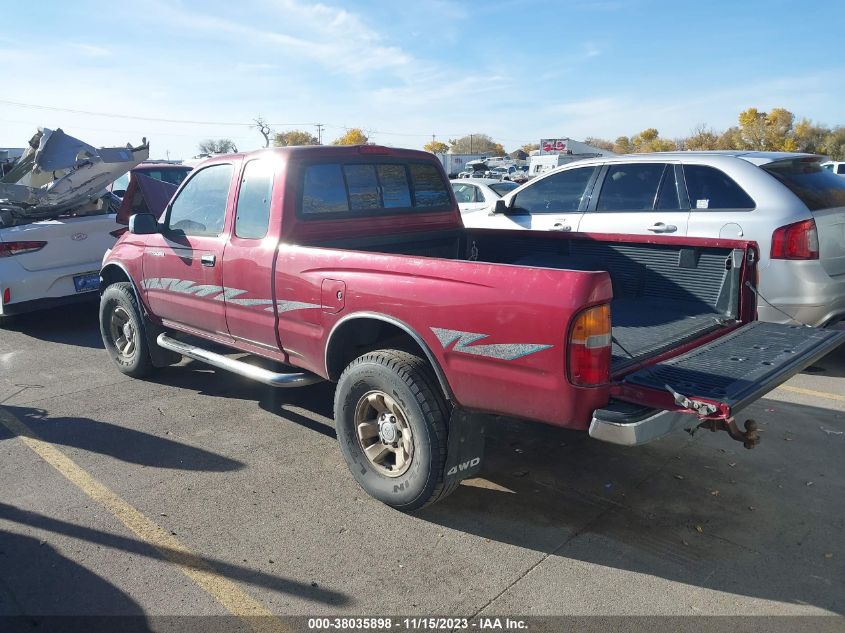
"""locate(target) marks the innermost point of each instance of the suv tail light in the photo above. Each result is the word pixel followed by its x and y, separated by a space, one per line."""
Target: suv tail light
pixel 7 249
pixel 589 347
pixel 796 241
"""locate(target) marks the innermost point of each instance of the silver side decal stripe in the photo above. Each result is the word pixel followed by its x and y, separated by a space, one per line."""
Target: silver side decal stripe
pixel 229 295
pixel 464 343
pixel 287 306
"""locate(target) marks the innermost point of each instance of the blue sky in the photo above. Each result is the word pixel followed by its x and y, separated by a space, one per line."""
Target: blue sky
pixel 404 70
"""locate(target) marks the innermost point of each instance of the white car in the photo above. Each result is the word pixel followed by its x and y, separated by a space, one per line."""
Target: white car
pixel 57 220
pixel 479 193
pixel 787 203
pixel 836 166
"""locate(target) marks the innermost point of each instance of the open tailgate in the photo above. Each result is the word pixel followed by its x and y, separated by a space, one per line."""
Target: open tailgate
pixel 719 378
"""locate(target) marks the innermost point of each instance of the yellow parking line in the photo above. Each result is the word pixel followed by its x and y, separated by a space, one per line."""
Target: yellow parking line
pixel 812 392
pixel 224 591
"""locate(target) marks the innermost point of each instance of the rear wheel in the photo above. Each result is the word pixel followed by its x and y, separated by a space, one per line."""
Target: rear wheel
pixel 122 329
pixel 391 420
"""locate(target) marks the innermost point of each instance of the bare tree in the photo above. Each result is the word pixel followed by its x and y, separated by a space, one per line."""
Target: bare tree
pixel 217 146
pixel 264 128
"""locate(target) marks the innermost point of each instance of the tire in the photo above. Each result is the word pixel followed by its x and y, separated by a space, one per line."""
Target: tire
pixel 368 389
pixel 127 347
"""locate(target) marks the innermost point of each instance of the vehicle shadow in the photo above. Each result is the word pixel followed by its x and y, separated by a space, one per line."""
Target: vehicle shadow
pixel 29 571
pixel 69 325
pixel 119 442
pixel 832 365
pixel 39 581
pixel 310 407
pixel 695 510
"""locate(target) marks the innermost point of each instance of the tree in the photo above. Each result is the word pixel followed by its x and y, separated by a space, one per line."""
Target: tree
pixel 436 147
pixel 810 137
pixel 353 136
pixel 599 142
pixel 294 137
pixel 702 138
pixel 264 129
pixel 217 146
pixel 649 141
pixel 623 145
pixel 530 147
pixel 834 143
pixel 476 144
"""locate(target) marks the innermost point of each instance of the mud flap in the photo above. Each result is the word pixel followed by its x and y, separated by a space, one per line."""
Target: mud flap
pixel 465 448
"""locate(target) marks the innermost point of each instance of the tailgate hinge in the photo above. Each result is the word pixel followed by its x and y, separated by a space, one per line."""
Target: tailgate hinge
pixel 703 409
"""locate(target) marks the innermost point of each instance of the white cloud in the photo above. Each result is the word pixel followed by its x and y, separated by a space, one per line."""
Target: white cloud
pixel 89 50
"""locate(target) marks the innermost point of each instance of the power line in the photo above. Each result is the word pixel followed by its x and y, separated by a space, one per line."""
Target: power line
pixel 319 126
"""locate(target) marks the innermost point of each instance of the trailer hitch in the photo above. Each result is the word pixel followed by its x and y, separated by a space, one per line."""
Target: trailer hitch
pixel 750 436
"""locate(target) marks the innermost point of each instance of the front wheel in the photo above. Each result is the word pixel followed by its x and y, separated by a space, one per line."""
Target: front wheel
pixel 391 420
pixel 122 329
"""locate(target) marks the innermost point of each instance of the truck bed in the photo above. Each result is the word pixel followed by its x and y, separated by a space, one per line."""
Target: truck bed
pixel 664 295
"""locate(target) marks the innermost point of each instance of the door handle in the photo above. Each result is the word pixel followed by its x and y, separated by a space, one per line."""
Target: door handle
pixel 660 227
pixel 208 260
pixel 560 226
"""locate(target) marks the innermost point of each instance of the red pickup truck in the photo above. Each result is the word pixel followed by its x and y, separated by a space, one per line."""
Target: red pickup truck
pixel 351 264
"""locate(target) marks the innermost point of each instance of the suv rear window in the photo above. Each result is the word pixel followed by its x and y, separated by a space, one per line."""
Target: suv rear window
pixel 817 187
pixel 711 188
pixel 364 188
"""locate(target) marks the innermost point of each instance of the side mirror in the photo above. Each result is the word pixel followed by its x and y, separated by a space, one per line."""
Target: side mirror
pixel 501 207
pixel 143 224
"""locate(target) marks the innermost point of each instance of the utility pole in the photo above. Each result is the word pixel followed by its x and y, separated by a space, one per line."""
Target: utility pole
pixel 319 127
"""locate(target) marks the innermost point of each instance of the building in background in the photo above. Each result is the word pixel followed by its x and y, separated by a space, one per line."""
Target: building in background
pixel 555 152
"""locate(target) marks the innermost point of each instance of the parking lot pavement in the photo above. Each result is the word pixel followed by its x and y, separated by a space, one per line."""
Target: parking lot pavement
pixel 200 493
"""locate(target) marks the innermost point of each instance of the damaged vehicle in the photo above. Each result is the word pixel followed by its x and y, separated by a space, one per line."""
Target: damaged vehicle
pixel 57 220
pixel 147 189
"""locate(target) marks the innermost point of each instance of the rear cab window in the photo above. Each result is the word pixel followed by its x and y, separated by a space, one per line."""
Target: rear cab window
pixel 711 188
pixel 815 186
pixel 372 187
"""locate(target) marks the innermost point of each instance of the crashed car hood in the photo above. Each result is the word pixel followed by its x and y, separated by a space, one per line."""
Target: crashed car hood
pixel 59 172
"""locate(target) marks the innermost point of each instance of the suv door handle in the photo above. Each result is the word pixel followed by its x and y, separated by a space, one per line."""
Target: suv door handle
pixel 560 226
pixel 208 260
pixel 660 227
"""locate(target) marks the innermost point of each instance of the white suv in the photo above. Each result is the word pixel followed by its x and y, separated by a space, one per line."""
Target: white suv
pixel 788 203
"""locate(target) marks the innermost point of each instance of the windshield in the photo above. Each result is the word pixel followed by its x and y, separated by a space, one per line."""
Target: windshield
pixel 817 187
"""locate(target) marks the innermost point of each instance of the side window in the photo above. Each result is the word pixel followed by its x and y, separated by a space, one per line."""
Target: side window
pixel 479 195
pixel 630 187
pixel 841 168
pixel 429 188
pixel 562 191
pixel 710 188
pixel 253 211
pixel 324 190
pixel 200 208
pixel 667 199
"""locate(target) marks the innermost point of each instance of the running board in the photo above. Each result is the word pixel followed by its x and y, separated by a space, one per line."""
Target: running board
pixel 237 366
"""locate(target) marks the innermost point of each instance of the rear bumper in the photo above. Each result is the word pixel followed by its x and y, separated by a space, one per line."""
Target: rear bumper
pixel 632 426
pixel 22 307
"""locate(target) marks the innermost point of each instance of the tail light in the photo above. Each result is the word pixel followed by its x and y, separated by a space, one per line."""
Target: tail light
pixel 589 347
pixel 796 241
pixel 119 232
pixel 7 249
